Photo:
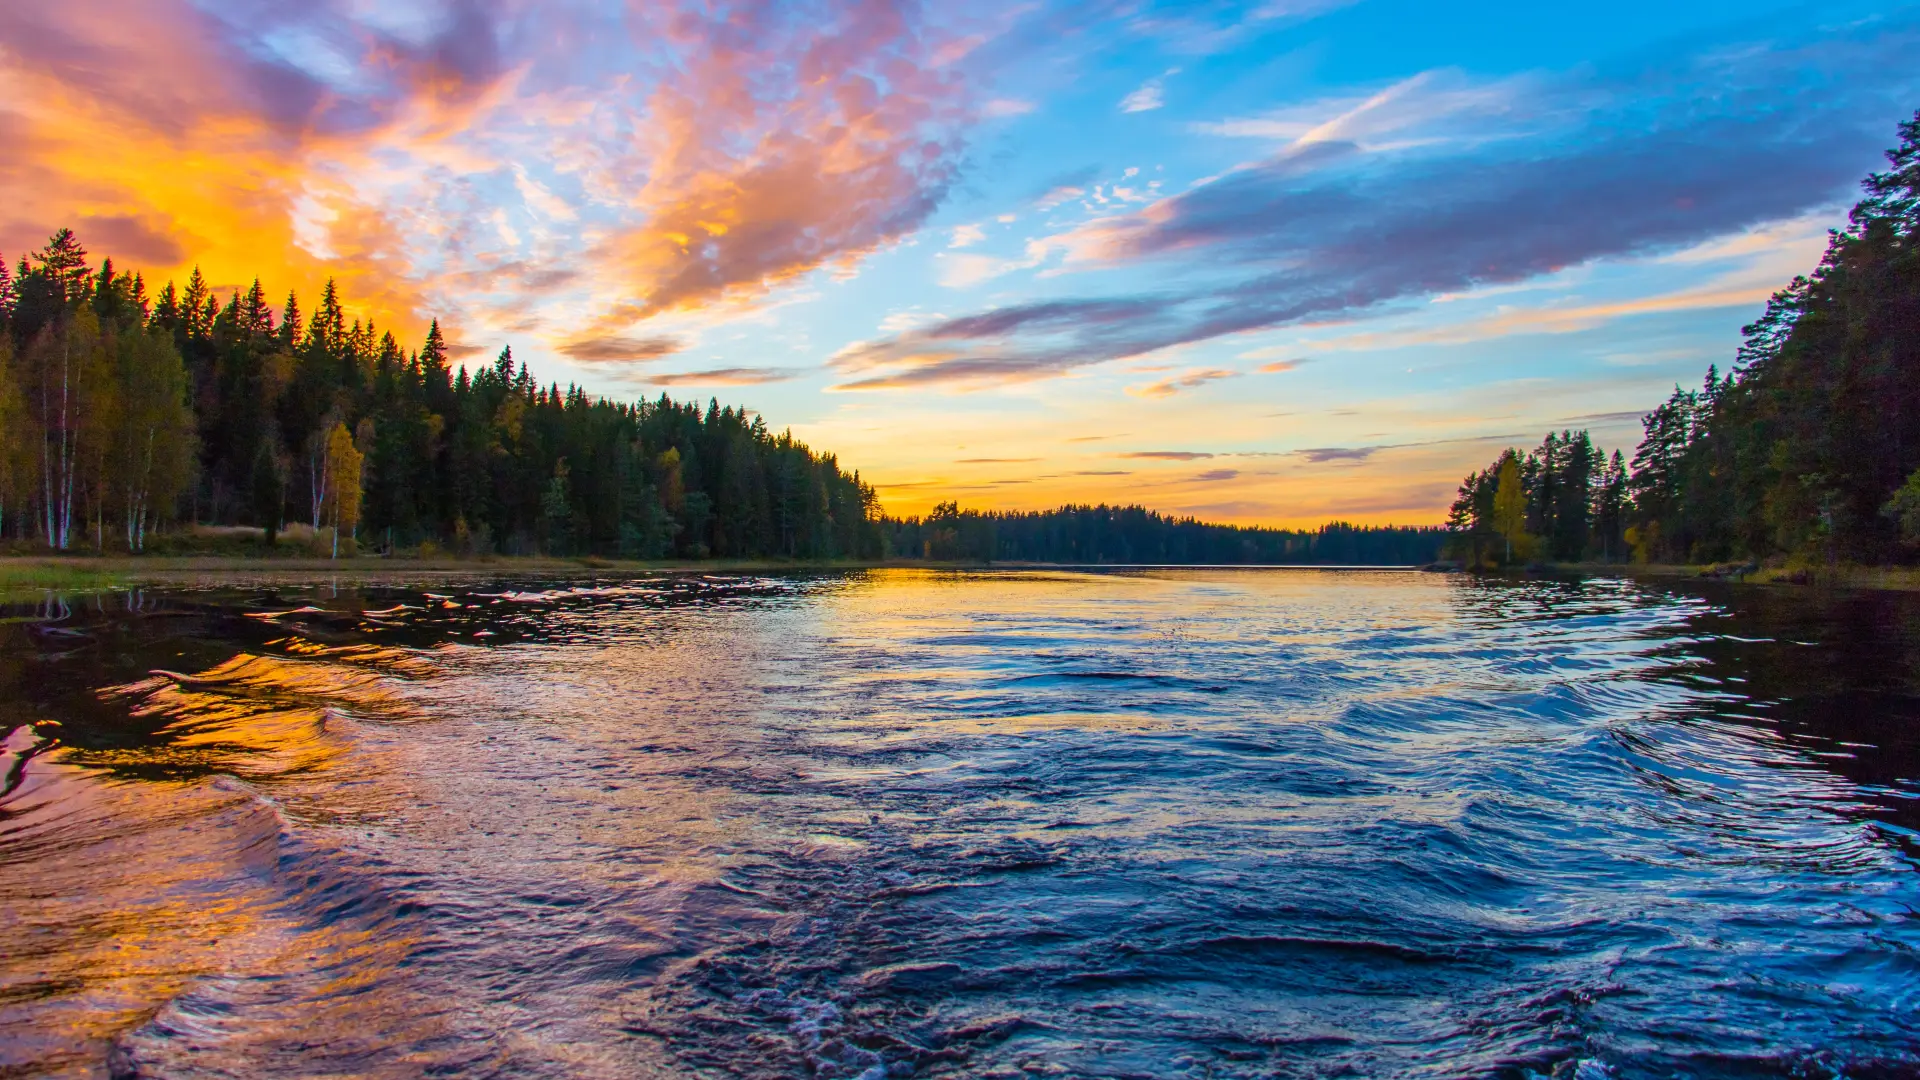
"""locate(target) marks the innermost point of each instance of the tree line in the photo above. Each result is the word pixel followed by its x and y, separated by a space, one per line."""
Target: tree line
pixel 122 411
pixel 1135 535
pixel 1565 501
pixel 1808 448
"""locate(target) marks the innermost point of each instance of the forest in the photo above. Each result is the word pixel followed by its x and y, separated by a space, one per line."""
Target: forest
pixel 1132 534
pixel 123 411
pixel 1807 450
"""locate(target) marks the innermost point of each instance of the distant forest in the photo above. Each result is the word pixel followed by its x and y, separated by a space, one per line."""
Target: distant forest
pixel 1131 534
pixel 123 412
pixel 1808 449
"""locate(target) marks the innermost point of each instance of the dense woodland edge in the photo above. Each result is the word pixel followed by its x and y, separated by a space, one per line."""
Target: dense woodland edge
pixel 173 423
pixel 1806 452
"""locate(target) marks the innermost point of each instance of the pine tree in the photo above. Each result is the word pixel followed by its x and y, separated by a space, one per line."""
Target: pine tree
pixel 268 490
pixel 64 262
pixel 196 308
pixel 556 511
pixel 291 326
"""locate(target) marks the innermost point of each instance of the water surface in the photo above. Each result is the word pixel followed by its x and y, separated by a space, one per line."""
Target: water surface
pixel 1131 824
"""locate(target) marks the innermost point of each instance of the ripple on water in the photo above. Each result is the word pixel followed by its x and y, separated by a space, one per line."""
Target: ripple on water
pixel 1144 824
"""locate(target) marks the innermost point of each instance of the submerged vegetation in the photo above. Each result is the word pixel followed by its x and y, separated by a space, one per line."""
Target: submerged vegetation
pixel 1807 452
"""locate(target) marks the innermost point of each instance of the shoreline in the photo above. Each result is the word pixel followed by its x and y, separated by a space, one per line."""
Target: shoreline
pixel 1838 576
pixel 86 572
pixel 31 575
pixel 80 572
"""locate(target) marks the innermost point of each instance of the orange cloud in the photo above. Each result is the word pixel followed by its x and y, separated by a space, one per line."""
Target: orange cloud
pixel 144 127
pixel 779 149
pixel 732 376
pixel 1186 381
pixel 309 145
pixel 619 349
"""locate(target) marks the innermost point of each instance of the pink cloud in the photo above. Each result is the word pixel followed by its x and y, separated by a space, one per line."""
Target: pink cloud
pixel 782 144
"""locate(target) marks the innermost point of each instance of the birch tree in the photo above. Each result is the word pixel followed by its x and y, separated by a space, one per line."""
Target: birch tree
pixel 1510 506
pixel 319 479
pixel 63 391
pixel 12 425
pixel 153 445
pixel 342 482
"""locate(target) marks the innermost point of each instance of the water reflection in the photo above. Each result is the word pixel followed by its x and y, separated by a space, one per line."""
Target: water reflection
pixel 903 823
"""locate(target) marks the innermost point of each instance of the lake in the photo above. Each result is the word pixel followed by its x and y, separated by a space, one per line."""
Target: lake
pixel 1147 823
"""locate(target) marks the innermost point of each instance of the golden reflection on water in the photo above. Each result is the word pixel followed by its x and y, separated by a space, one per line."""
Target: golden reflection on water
pixel 268 719
pixel 130 895
pixel 155 867
pixel 351 847
pixel 654 767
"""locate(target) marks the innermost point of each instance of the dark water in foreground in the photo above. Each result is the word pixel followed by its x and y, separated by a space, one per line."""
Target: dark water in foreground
pixel 1280 823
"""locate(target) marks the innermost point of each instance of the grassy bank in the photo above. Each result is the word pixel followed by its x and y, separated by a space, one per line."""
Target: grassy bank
pixel 1836 576
pixel 28 575
pixel 32 577
pixel 1841 577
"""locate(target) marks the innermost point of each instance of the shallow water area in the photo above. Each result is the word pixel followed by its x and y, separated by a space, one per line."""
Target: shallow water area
pixel 1205 823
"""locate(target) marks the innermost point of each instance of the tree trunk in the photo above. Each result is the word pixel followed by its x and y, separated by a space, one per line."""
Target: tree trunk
pixel 66 440
pixel 46 461
pixel 317 475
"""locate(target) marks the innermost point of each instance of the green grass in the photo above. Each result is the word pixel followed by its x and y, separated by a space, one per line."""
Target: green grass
pixel 23 579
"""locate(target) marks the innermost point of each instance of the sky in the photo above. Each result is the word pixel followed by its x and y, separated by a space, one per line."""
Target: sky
pixel 1275 262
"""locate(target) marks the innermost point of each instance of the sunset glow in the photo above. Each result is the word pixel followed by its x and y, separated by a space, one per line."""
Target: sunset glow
pixel 1271 263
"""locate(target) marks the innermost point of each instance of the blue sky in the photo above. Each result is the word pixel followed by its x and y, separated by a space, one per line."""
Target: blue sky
pixel 1274 263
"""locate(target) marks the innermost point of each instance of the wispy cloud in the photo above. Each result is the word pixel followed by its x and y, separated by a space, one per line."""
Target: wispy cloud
pixel 1169 386
pixel 964 270
pixel 1202 29
pixel 1324 454
pixel 537 197
pixel 1004 107
pixel 1568 318
pixel 943 352
pixel 1064 187
pixel 618 349
pixel 1423 110
pixel 1167 455
pixel 1149 95
pixel 1586 168
pixel 1634 415
pixel 730 376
